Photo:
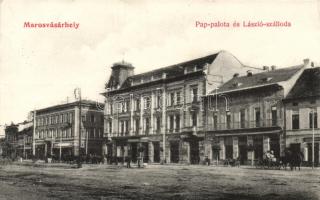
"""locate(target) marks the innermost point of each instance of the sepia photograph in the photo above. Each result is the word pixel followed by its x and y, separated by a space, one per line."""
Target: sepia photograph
pixel 176 100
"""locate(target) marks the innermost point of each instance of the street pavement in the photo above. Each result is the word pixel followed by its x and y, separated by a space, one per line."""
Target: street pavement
pixel 62 181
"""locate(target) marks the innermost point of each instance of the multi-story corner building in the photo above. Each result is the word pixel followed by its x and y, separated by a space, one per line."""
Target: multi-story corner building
pixel 302 106
pixel 18 140
pixel 246 115
pixel 158 114
pixel 57 130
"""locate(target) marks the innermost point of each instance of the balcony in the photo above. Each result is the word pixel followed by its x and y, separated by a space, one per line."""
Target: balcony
pixel 245 125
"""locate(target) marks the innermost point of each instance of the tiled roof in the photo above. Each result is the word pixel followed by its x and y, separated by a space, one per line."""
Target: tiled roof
pixel 84 102
pixel 259 79
pixel 308 84
pixel 173 70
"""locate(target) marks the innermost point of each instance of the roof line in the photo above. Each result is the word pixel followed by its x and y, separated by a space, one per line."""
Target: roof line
pixel 175 65
pixel 247 88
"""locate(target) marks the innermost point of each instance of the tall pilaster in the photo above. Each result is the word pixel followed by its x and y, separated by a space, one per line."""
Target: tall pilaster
pixel 131 114
pixel 151 122
pixel 251 152
pixel 163 126
pixel 222 148
pixel 141 115
pixel 266 143
pixel 235 144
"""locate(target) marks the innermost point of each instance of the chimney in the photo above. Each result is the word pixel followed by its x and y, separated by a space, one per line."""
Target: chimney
pixel 273 67
pixel 235 75
pixel 306 62
pixel 249 73
pixel 164 76
pixel 266 68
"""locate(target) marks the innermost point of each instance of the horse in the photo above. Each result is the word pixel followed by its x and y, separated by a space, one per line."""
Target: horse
pixel 296 160
pixel 286 159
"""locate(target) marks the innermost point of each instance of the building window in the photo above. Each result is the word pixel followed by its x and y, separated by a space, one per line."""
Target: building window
pixel 177 122
pixel 71 117
pixel 274 116
pixel 126 127
pixel 110 127
pixel 147 126
pixel 178 98
pixel 194 94
pixel 137 104
pixel 137 126
pixel 215 121
pixel 295 120
pixel 313 121
pixel 171 122
pixel 257 117
pixel 126 106
pixel 121 127
pixel 158 102
pixel 83 118
pixel 171 99
pixel 242 118
pixel 228 120
pixel 194 119
pixel 92 118
pixel 146 102
pixel 158 123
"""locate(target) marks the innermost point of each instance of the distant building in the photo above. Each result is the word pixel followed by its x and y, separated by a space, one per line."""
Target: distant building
pixel 158 115
pixel 18 140
pixel 57 130
pixel 302 107
pixel 2 146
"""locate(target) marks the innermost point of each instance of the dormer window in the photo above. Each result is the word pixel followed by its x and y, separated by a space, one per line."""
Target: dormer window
pixel 266 79
pixel 236 84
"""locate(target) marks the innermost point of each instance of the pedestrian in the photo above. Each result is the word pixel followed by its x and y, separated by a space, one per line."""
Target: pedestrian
pixel 128 162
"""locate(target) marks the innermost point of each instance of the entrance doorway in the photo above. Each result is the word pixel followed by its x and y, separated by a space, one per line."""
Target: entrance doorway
pixel 174 152
pixel 243 154
pixel 134 152
pixel 194 152
pixel 145 152
pixel 156 152
pixel 258 146
pixel 229 147
pixel 316 154
pixel 295 147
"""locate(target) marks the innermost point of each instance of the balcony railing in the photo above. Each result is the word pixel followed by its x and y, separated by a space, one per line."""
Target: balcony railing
pixel 245 125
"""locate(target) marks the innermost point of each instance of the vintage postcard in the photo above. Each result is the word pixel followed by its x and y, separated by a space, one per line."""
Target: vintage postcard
pixel 140 99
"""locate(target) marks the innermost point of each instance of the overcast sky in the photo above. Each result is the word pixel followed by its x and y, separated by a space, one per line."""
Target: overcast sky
pixel 41 67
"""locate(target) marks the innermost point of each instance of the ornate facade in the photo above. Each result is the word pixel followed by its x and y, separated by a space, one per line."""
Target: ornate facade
pixel 159 115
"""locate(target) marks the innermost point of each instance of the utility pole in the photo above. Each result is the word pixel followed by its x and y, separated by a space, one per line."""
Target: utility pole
pixel 77 92
pixel 312 138
pixel 60 146
pixel 33 134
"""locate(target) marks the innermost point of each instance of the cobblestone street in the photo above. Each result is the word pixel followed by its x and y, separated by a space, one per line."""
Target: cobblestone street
pixel 156 182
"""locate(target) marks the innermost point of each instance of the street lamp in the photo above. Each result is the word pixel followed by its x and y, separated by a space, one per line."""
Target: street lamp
pixel 77 94
pixel 312 137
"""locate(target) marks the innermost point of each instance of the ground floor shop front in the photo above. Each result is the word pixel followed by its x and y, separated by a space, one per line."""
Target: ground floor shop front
pixel 247 148
pixel 196 149
pixel 301 141
pixel 66 149
pixel 179 148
